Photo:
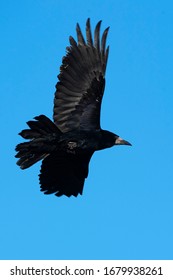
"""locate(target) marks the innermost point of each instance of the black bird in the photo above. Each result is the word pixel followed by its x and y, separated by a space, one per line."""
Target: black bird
pixel 67 144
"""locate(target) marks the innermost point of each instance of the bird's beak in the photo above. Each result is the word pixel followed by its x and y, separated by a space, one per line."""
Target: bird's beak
pixel 120 141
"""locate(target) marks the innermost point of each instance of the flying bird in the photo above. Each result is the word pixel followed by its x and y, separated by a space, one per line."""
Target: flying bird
pixel 67 144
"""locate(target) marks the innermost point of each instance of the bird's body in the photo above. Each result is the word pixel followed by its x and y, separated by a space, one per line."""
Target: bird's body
pixel 87 141
pixel 67 144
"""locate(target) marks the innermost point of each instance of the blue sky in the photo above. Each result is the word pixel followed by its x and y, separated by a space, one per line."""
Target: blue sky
pixel 126 210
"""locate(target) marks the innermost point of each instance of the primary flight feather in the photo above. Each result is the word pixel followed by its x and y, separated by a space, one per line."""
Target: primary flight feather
pixel 66 145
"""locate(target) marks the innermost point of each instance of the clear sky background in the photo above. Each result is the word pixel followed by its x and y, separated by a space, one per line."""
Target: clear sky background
pixel 126 211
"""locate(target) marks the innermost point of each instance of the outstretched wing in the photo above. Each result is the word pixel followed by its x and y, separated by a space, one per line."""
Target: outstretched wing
pixel 64 173
pixel 81 83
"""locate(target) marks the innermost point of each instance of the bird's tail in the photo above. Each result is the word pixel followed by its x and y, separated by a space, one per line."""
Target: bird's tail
pixel 42 135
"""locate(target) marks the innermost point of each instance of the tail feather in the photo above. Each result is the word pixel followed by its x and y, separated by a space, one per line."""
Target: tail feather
pixel 29 159
pixel 29 134
pixel 42 126
pixel 41 132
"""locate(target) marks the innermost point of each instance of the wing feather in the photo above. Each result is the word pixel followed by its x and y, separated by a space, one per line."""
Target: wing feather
pixel 80 89
pixel 97 37
pixel 80 37
pixel 64 173
pixel 88 34
pixel 103 41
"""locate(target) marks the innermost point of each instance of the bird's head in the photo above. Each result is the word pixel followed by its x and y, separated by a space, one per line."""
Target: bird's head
pixel 120 141
pixel 110 139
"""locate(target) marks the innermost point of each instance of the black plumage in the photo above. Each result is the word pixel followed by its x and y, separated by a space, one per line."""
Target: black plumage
pixel 66 145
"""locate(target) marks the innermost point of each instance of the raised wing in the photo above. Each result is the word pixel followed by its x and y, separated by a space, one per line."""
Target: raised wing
pixel 81 83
